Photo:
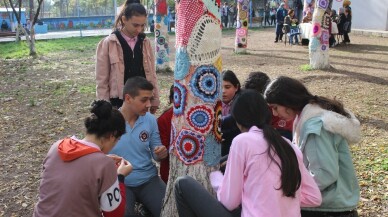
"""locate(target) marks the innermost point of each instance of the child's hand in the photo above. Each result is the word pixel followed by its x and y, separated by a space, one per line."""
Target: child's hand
pixel 161 152
pixel 116 158
pixel 124 168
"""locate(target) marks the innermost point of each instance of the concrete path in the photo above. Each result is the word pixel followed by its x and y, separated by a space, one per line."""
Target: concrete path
pixel 98 32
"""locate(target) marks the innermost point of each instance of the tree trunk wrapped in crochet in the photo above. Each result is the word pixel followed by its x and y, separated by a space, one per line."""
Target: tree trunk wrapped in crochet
pixel 161 36
pixel 319 40
pixel 195 132
pixel 242 26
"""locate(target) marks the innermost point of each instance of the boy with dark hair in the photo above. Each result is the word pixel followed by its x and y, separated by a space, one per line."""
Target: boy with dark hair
pixel 140 144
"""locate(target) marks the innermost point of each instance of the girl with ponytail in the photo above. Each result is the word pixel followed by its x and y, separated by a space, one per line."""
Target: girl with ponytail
pixel 264 176
pixel 323 130
pixel 124 54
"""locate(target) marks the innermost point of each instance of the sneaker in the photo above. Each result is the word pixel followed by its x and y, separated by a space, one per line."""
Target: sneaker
pixel 276 41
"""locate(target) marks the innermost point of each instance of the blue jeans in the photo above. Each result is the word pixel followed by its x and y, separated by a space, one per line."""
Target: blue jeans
pixel 193 200
pixel 150 194
pixel 296 39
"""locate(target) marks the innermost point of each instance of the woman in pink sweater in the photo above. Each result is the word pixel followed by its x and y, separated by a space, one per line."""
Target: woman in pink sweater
pixel 264 176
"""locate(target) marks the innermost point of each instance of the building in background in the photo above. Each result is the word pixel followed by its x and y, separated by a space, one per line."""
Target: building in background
pixel 369 15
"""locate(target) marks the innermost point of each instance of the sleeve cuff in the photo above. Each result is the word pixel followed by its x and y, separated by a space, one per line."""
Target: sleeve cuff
pixel 121 178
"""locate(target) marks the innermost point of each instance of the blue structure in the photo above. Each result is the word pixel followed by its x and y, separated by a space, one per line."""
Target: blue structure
pixel 10 18
pixel 76 23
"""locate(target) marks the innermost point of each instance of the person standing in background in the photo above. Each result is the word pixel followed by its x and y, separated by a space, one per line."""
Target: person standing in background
pixel 280 15
pixel 125 53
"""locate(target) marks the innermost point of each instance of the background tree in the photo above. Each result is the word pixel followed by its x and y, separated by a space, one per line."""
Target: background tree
pixel 30 35
pixel 162 51
pixel 242 26
pixel 195 135
pixel 319 40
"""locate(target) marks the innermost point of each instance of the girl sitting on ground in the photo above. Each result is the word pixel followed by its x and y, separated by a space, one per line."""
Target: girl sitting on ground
pixel 283 186
pixel 78 178
pixel 323 130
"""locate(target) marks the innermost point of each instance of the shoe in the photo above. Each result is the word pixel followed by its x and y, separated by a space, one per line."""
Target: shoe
pixel 276 41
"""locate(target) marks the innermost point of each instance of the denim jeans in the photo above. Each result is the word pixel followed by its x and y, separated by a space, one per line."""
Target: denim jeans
pixel 193 200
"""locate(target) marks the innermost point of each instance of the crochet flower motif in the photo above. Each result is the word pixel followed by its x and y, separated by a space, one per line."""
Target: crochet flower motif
pixel 205 83
pixel 200 118
pixel 189 147
pixel 182 64
pixel 161 40
pixel 180 95
pixel 316 29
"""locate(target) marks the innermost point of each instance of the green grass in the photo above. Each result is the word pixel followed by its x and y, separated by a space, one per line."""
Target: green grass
pixel 88 89
pixel 306 68
pixel 13 50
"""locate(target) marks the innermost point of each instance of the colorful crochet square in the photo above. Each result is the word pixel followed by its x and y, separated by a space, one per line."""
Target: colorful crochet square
pixel 205 83
pixel 182 64
pixel 180 97
pixel 217 121
pixel 204 44
pixel 188 16
pixel 213 7
pixel 323 4
pixel 189 146
pixel 325 37
pixel 212 153
pixel 200 118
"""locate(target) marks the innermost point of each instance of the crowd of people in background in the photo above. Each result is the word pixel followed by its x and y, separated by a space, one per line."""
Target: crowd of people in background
pixel 286 19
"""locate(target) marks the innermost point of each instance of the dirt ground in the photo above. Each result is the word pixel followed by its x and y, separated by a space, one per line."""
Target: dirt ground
pixel 45 99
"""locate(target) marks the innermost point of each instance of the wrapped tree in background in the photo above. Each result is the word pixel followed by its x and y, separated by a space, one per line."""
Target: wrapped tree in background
pixel 319 40
pixel 196 134
pixel 242 26
pixel 161 36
